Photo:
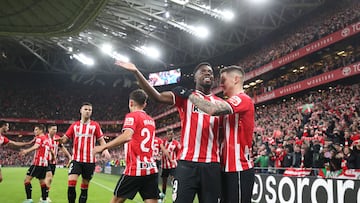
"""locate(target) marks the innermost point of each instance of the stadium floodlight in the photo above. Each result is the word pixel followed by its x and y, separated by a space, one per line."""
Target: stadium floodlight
pixel 120 57
pixel 227 15
pixel 106 48
pixel 84 59
pixel 252 84
pixel 200 31
pixel 181 2
pixel 258 2
pixel 70 49
pixel 150 51
pixel 302 67
pixel 167 14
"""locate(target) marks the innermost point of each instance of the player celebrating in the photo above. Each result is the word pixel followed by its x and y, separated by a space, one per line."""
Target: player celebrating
pixel 140 174
pixel 238 177
pixel 199 157
pixel 40 164
pixel 4 141
pixel 84 134
pixel 55 146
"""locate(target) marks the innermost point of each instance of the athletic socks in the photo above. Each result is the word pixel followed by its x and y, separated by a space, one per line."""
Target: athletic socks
pixel 84 193
pixel 44 191
pixel 28 189
pixel 71 191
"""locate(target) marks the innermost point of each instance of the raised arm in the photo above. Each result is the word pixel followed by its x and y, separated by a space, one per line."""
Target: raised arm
pixel 18 144
pixel 166 97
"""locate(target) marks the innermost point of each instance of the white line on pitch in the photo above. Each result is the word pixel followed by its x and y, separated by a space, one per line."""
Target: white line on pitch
pixel 109 189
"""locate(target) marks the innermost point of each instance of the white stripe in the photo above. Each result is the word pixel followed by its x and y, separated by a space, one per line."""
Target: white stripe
pixel 138 171
pixel 227 140
pixel 187 129
pixel 210 140
pixel 79 142
pixel 86 138
pixel 92 143
pixel 103 186
pixel 238 165
pixel 198 137
pixel 109 189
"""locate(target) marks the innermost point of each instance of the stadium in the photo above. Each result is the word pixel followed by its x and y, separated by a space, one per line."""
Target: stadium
pixel 302 72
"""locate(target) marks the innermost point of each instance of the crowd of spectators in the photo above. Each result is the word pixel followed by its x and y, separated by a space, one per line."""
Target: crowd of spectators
pixel 325 134
pixel 325 22
pixel 327 63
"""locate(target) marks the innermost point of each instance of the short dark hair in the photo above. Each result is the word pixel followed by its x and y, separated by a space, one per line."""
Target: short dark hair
pixel 86 104
pixel 233 68
pixel 41 127
pixel 2 123
pixel 52 125
pixel 201 64
pixel 139 96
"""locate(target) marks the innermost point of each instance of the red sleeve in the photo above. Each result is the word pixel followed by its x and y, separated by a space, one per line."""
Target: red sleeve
pixel 6 140
pixel 38 141
pixel 129 122
pixel 70 132
pixel 98 132
pixel 238 103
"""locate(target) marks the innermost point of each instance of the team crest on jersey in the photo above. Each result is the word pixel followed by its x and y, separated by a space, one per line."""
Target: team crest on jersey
pixel 129 121
pixel 235 100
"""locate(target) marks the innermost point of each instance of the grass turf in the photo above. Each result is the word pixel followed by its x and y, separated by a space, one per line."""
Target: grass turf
pixel 100 190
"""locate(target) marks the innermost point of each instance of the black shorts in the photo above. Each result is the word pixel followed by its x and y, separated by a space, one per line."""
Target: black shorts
pixel 128 186
pixel 52 168
pixel 166 172
pixel 86 170
pixel 38 172
pixel 237 186
pixel 203 179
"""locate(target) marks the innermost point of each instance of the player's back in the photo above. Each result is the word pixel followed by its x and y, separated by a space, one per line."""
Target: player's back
pixel 139 152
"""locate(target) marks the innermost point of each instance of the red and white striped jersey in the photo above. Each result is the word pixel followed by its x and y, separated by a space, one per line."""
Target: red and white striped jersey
pixel 238 133
pixel 84 136
pixel 173 147
pixel 199 131
pixel 139 150
pixel 3 140
pixel 156 148
pixel 54 145
pixel 42 153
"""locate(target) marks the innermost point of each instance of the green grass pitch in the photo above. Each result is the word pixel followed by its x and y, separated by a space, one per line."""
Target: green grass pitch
pixel 100 191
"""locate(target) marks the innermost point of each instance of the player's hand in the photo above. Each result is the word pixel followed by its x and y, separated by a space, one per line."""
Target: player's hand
pixel 182 92
pixel 68 164
pixel 97 149
pixel 31 141
pixel 174 162
pixel 106 154
pixel 22 152
pixel 127 65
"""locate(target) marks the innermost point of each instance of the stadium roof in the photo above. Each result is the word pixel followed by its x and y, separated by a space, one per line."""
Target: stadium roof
pixel 44 36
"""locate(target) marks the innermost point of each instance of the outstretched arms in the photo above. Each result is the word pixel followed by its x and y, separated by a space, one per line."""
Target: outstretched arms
pixel 166 97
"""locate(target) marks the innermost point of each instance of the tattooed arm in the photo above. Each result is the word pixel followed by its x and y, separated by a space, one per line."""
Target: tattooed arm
pixel 214 109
